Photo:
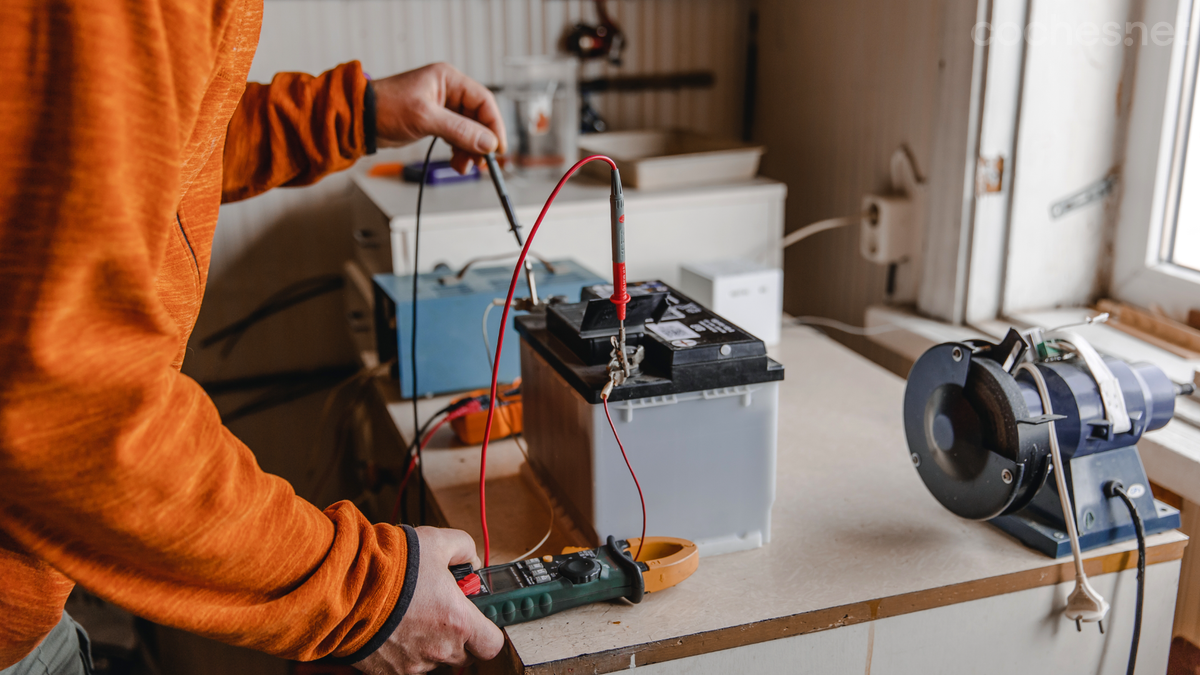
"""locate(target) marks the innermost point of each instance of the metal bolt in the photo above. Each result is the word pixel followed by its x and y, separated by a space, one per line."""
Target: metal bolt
pixel 916 459
pixel 956 354
pixel 1006 476
pixel 1059 535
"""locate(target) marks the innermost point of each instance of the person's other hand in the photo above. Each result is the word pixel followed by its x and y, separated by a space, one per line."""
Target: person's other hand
pixel 441 625
pixel 437 100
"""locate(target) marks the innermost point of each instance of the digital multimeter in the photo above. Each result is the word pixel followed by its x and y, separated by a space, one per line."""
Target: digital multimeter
pixel 531 589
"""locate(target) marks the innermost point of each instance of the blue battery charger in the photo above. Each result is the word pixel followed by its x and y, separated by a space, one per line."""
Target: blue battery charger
pixel 450 353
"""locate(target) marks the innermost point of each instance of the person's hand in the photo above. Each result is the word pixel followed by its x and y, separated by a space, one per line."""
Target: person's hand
pixel 441 625
pixel 437 100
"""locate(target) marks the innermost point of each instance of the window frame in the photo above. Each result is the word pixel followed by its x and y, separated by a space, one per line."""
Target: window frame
pixel 1162 104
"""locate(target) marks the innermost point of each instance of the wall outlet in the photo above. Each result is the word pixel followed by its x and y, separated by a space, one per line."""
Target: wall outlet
pixel 890 226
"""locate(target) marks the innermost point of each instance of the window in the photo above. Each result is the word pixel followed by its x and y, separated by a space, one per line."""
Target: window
pixel 1182 237
pixel 1156 259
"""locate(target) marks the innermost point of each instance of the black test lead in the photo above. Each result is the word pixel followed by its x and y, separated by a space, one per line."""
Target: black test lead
pixel 511 214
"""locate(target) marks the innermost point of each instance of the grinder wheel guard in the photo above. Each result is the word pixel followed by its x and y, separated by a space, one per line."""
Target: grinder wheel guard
pixel 963 416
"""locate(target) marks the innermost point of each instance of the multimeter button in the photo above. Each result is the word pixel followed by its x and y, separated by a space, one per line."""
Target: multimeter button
pixel 580 570
pixel 542 578
pixel 508 611
pixel 527 608
pixel 471 584
pixel 460 572
pixel 548 558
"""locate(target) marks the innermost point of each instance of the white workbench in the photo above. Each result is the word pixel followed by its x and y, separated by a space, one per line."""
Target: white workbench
pixel 461 222
pixel 865 572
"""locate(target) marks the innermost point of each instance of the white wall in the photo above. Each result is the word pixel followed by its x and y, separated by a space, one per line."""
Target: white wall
pixel 844 83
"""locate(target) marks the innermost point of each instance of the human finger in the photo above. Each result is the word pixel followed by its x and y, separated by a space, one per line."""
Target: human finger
pixel 461 161
pixel 486 639
pixel 460 131
pixel 475 101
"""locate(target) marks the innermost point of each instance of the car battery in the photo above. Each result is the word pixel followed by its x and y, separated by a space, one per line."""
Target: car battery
pixel 698 419
pixel 450 309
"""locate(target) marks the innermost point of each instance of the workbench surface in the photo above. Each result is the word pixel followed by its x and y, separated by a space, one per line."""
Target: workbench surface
pixel 855 535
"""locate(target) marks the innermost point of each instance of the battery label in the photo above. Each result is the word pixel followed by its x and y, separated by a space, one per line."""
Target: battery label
pixel 673 330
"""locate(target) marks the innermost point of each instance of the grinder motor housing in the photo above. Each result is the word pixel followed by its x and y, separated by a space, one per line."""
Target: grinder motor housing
pixel 979 438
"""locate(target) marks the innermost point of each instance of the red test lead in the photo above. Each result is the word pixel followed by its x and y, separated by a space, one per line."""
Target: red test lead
pixel 616 200
pixel 620 297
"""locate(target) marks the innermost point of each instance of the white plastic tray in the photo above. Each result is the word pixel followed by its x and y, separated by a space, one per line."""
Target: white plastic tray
pixel 656 159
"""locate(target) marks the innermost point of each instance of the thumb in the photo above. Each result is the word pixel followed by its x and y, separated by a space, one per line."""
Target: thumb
pixel 456 546
pixel 462 132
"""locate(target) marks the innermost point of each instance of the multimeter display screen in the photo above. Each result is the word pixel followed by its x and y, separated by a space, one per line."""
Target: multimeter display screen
pixel 502 579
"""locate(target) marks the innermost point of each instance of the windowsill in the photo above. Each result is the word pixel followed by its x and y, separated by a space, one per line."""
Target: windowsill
pixel 1171 454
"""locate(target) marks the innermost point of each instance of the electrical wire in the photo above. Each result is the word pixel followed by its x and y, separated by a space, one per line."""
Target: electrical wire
pixel 358 380
pixel 503 256
pixel 1099 318
pixel 504 410
pixel 844 327
pixel 411 452
pixel 412 465
pixel 1140 528
pixel 549 500
pixel 413 344
pixel 620 445
pixel 288 296
pixel 512 287
pixel 487 342
pixel 1078 601
pixel 819 226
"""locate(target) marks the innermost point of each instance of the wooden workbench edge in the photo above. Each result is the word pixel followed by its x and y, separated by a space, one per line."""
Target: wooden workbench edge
pixel 836 617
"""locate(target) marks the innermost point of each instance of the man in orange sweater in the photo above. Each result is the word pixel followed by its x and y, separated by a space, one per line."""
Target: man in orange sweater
pixel 123 127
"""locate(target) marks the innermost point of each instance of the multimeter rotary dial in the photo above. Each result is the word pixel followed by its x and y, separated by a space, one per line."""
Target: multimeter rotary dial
pixel 580 570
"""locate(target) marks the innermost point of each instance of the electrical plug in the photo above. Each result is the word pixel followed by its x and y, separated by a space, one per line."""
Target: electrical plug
pixel 1084 604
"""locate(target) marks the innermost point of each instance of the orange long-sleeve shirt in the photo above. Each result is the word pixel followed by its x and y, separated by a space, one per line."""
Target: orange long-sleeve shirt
pixel 115 470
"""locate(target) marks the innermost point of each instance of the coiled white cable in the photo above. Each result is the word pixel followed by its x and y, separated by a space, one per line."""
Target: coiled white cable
pixel 1084 603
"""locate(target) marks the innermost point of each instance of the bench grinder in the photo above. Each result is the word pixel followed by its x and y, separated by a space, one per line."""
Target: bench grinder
pixel 979 436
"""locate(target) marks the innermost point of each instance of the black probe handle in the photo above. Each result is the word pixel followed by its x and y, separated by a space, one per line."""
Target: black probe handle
pixel 502 193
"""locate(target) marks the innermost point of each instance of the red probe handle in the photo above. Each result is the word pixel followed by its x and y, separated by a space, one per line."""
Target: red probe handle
pixel 620 296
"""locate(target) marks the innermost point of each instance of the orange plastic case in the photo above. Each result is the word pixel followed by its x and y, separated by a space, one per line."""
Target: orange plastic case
pixel 508 419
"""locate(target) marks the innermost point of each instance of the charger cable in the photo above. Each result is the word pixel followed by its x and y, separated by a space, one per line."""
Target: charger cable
pixel 1084 603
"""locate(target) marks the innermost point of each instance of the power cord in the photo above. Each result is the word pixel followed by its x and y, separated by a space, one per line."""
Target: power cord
pixel 817 227
pixel 1084 603
pixel 1115 489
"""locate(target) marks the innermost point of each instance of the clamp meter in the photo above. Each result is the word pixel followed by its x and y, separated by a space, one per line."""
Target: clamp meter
pixel 530 589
